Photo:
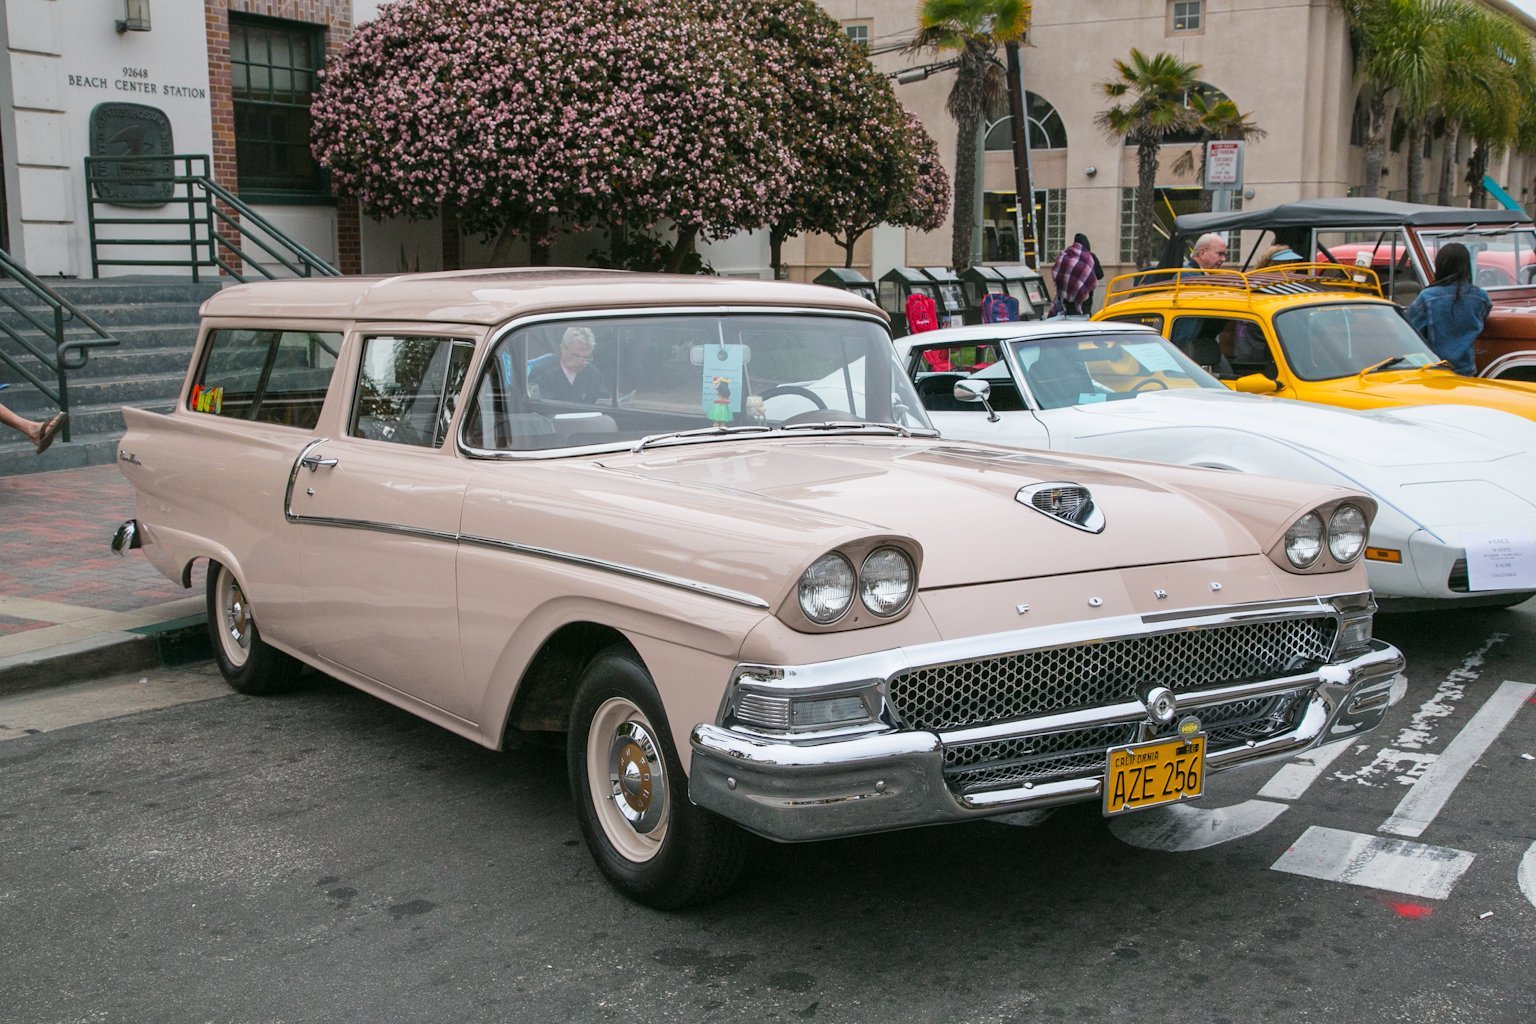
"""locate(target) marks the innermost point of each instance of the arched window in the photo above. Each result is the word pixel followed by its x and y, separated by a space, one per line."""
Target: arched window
pixel 1046 130
pixel 1360 123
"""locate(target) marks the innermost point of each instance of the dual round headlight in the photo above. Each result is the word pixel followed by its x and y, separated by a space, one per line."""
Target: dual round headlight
pixel 884 584
pixel 1344 535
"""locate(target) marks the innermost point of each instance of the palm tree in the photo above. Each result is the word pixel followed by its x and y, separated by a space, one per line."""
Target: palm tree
pixel 1215 119
pixel 973 29
pixel 1492 57
pixel 1398 53
pixel 1150 98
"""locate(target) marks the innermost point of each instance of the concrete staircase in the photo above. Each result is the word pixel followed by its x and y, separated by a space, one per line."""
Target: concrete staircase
pixel 155 322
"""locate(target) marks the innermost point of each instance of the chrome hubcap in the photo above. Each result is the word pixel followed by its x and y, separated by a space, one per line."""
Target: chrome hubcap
pixel 237 618
pixel 634 775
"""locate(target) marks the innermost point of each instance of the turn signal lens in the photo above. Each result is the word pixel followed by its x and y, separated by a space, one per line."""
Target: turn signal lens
pixel 826 589
pixel 1304 540
pixel 1346 533
pixel 885 581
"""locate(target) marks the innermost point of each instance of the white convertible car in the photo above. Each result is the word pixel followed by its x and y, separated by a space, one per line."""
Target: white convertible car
pixel 1456 484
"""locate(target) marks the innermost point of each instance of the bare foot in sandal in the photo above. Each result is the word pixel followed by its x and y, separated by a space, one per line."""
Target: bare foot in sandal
pixel 48 431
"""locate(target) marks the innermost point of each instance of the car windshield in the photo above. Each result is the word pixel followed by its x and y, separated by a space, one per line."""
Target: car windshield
pixel 1328 341
pixel 1501 257
pixel 1083 370
pixel 572 383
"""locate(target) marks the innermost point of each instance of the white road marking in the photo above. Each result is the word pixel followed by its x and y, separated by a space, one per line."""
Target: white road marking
pixel 1292 780
pixel 58 707
pixel 1527 874
pixel 1395 865
pixel 1429 794
pixel 1180 828
pixel 1404 760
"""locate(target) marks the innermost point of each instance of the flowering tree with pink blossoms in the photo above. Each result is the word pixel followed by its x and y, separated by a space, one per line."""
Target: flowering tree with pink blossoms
pixel 861 160
pixel 519 113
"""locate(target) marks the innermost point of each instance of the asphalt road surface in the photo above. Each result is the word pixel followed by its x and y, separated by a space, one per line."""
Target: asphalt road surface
pixel 174 852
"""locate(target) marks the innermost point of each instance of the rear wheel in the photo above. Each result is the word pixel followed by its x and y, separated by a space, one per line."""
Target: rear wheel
pixel 631 796
pixel 246 662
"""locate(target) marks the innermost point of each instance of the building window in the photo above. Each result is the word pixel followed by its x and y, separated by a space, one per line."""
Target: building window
pixel 1046 130
pixel 272 67
pixel 1169 203
pixel 858 31
pixel 1184 15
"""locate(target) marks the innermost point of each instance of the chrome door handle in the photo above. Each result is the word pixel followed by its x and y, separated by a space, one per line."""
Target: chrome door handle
pixel 314 462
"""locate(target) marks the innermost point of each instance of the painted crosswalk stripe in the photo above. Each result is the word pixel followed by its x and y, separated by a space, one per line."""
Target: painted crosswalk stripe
pixel 1395 865
pixel 1424 801
pixel 1292 780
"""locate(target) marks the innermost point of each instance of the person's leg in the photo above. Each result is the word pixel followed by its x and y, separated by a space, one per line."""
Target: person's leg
pixel 31 428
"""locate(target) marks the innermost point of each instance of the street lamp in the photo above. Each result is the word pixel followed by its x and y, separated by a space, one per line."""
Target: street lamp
pixel 135 17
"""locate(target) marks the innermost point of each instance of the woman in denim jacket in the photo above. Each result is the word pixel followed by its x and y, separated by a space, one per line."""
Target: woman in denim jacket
pixel 1449 314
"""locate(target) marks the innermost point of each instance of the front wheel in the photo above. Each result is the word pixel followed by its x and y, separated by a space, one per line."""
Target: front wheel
pixel 245 660
pixel 631 796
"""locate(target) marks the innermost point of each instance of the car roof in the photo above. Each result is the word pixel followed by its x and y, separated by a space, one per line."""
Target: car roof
pixel 1351 212
pixel 1020 330
pixel 494 296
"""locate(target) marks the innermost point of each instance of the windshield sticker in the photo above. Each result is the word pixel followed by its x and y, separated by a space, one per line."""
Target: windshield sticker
pixel 1089 399
pixel 1154 357
pixel 722 382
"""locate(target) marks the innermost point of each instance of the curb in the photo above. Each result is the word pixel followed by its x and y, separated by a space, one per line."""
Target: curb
pixel 177 642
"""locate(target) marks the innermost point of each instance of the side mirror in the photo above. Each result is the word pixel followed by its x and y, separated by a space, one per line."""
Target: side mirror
pixel 972 390
pixel 1256 384
pixel 969 389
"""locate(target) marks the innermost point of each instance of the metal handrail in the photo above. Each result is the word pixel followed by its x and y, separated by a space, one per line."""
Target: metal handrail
pixel 219 231
pixel 68 353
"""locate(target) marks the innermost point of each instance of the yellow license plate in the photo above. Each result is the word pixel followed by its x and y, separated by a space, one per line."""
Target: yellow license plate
pixel 1149 774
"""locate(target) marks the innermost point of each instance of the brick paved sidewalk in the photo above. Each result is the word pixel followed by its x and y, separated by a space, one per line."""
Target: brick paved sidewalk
pixel 60 583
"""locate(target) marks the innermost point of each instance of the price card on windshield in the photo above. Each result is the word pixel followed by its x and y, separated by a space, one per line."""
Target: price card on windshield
pixel 1505 560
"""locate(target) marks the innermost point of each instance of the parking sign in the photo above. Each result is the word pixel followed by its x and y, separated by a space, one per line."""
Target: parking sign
pixel 1223 164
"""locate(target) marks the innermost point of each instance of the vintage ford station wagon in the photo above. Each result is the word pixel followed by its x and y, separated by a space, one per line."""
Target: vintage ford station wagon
pixel 704 528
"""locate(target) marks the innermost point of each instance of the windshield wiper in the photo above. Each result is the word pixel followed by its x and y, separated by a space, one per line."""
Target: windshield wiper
pixel 1385 364
pixel 722 429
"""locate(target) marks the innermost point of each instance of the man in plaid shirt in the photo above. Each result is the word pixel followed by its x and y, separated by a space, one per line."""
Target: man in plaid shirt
pixel 1075 279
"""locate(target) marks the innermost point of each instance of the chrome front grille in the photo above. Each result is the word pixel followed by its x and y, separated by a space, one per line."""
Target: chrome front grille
pixel 1103 672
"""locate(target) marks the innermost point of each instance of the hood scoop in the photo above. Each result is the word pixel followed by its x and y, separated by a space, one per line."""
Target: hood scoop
pixel 1064 502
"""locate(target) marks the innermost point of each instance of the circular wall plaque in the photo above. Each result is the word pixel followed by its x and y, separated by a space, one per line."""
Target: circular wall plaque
pixel 132 144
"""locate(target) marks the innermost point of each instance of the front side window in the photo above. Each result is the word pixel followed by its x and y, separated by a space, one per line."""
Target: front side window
pixel 1500 258
pixel 1327 342
pixel 1226 346
pixel 408 388
pixel 267 376
pixel 615 380
pixel 272 68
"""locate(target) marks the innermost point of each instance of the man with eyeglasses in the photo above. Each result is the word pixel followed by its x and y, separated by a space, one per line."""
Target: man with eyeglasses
pixel 570 377
pixel 1209 253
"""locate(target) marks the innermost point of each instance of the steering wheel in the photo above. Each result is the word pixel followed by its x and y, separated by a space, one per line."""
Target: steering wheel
pixel 1491 277
pixel 797 390
pixel 1148 382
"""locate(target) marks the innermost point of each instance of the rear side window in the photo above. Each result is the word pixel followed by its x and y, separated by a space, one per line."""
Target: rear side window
pixel 268 376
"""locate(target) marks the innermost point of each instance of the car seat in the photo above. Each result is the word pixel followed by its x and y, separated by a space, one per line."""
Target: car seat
pixel 1059 379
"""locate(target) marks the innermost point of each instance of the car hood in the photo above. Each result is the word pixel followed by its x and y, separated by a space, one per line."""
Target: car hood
pixel 1416 387
pixel 1335 436
pixel 788 501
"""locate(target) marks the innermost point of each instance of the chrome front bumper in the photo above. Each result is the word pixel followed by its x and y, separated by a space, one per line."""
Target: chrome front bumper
pixel 793 791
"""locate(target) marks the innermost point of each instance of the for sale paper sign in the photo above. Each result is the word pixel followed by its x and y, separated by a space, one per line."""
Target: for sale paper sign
pixel 1500 561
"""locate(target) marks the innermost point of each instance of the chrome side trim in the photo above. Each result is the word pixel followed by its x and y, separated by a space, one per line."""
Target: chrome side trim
pixel 616 568
pixel 665 579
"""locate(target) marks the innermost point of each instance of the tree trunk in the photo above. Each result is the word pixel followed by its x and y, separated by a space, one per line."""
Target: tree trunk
pixel 966 105
pixel 776 236
pixel 539 238
pixel 687 236
pixel 506 245
pixel 1146 201
pixel 1375 145
pixel 1447 189
pixel 1416 131
pixel 847 247
pixel 453 256
pixel 1477 168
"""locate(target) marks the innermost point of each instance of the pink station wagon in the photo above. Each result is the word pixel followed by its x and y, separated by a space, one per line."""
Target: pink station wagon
pixel 704 528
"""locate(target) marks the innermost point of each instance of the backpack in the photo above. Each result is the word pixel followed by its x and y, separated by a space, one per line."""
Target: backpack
pixel 922 314
pixel 997 307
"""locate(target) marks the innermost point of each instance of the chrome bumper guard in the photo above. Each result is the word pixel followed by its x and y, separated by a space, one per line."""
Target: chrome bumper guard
pixel 877 782
pixel 126 538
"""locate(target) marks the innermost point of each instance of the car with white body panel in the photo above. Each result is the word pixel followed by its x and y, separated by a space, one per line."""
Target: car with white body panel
pixel 1442 476
pixel 582 503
